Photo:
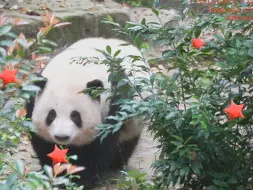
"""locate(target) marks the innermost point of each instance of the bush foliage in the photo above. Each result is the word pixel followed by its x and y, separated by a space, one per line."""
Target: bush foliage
pixel 200 147
pixel 27 56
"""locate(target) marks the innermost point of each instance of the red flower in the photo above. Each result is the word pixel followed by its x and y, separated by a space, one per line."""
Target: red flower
pixel 58 155
pixel 198 43
pixel 234 110
pixel 8 76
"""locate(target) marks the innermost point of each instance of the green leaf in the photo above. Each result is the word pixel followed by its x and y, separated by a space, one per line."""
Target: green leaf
pixel 220 183
pixel 222 64
pixel 49 171
pixel 186 170
pixel 126 44
pixel 171 115
pixel 73 157
pixel 176 143
pixel 203 124
pixel 177 137
pixel 212 187
pixel 20 167
pixel 117 127
pixel 240 188
pixel 197 32
pixel 22 43
pixel 248 43
pixel 104 136
pixel 31 88
pixel 10 34
pixel 195 168
pixel 108 49
pixel 109 17
pixel 143 21
pixel 232 180
pixel 152 79
pixel 4 187
pixel 138 41
pixel 6 43
pixel 12 178
pixel 250 52
pixel 43 49
pixel 238 43
pixel 116 53
pixel 3 52
pixel 155 11
pixel 122 82
pixel 45 41
pixel 4 29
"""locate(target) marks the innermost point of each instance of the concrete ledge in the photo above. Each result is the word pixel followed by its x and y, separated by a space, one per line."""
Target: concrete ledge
pixel 84 24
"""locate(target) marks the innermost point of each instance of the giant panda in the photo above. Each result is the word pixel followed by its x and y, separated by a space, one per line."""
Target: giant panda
pixel 63 116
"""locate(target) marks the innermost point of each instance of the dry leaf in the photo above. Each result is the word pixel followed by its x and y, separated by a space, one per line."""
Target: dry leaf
pixel 74 169
pixel 62 24
pixel 63 3
pixel 16 21
pixel 23 10
pixel 3 20
pixel 44 6
pixel 21 113
pixel 58 168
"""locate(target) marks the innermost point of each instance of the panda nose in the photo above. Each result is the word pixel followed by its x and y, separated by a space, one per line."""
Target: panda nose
pixel 61 138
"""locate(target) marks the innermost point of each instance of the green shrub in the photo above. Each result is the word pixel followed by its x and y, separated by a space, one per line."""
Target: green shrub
pixel 137 3
pixel 17 52
pixel 201 148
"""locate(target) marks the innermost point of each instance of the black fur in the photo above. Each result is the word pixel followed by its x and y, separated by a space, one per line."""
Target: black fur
pixel 51 117
pixel 93 85
pixel 96 157
pixel 76 118
pixel 123 154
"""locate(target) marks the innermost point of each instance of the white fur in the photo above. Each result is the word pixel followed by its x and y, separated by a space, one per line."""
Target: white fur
pixel 65 80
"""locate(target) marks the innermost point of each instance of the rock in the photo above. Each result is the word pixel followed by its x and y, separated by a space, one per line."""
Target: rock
pixel 167 18
pixel 84 15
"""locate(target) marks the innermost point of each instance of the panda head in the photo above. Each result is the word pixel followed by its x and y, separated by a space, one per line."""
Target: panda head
pixel 64 116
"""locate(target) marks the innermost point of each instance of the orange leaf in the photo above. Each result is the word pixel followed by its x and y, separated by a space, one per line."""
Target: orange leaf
pixel 16 21
pixel 21 113
pixel 44 29
pixel 3 20
pixel 23 10
pixel 62 24
pixel 74 169
pixel 58 168
pixel 54 20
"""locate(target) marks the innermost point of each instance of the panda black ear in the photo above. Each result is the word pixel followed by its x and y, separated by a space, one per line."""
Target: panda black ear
pixel 92 85
pixel 40 83
pixel 95 84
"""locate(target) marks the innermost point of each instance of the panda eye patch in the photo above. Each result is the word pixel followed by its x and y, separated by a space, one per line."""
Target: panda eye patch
pixel 76 118
pixel 51 116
